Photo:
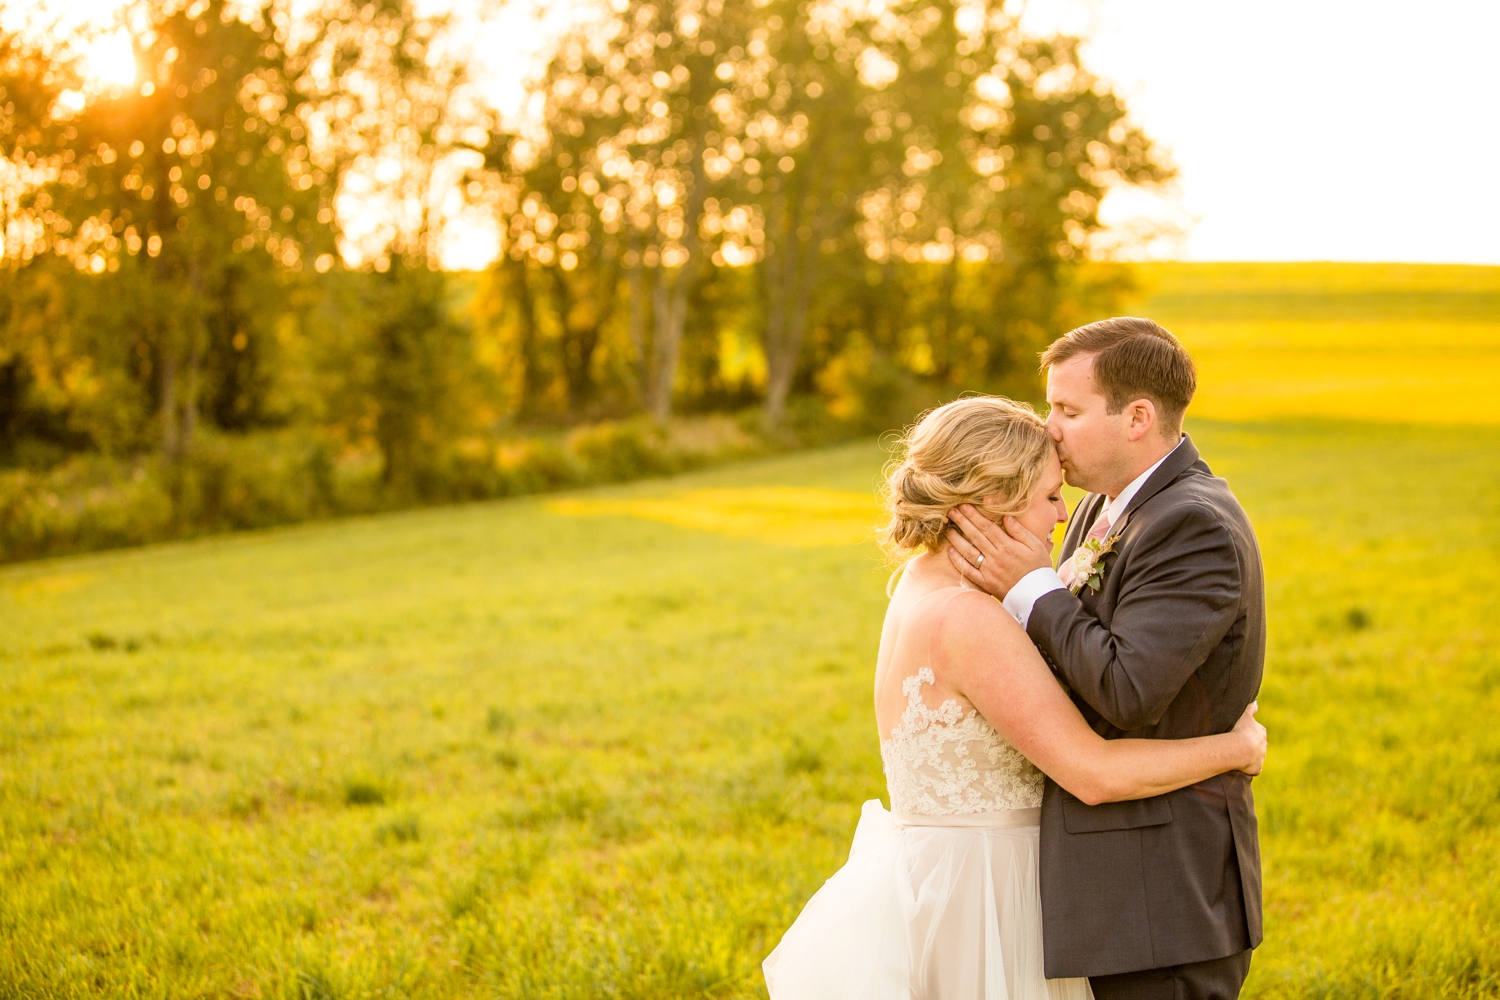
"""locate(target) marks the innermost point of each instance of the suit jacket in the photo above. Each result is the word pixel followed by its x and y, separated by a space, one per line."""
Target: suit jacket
pixel 1172 646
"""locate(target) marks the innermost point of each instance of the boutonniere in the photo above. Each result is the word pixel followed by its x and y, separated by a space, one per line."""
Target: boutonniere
pixel 1088 563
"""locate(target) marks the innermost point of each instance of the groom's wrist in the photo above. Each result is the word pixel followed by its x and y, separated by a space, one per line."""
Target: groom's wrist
pixel 1028 590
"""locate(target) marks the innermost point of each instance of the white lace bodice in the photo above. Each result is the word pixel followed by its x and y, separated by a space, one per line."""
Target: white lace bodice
pixel 941 762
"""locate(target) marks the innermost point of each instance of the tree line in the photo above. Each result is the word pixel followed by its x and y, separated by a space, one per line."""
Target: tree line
pixel 700 205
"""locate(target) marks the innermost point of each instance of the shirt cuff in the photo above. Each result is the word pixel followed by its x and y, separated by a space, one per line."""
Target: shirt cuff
pixel 1028 590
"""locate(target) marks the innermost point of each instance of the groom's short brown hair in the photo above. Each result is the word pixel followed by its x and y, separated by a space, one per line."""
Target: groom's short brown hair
pixel 1133 359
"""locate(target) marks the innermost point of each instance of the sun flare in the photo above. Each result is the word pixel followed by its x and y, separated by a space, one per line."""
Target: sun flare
pixel 111 60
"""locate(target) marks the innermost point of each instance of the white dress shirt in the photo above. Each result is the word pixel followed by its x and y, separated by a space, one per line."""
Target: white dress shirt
pixel 1030 588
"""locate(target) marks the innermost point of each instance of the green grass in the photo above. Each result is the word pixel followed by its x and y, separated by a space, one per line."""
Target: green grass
pixel 486 749
pixel 504 751
pixel 607 744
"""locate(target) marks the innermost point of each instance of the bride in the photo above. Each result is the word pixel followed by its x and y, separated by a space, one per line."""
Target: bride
pixel 939 898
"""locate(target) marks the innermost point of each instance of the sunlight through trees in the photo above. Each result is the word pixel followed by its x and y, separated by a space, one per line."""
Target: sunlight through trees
pixel 231 218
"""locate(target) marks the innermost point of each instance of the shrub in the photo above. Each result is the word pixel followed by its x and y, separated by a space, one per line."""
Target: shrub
pixel 242 482
pixel 614 452
pixel 87 503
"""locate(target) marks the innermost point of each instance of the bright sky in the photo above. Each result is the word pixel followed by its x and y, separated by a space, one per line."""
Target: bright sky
pixel 1302 129
pixel 1313 129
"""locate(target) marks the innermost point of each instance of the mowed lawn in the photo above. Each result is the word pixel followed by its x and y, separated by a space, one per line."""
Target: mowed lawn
pixel 606 744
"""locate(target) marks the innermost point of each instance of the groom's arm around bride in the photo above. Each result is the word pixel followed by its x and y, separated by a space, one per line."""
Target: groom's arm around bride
pixel 1156 623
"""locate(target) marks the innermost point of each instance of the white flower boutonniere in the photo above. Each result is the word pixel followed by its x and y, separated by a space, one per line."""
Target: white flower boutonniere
pixel 1088 563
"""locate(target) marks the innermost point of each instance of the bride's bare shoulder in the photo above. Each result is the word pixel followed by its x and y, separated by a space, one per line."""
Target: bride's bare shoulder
pixel 971 630
pixel 961 613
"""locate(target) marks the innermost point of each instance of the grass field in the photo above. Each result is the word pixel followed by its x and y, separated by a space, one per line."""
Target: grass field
pixel 1403 343
pixel 606 744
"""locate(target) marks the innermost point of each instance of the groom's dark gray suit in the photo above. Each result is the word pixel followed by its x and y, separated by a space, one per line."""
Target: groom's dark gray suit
pixel 1172 646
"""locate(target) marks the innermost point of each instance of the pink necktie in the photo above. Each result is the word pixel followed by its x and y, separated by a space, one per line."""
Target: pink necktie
pixel 1099 530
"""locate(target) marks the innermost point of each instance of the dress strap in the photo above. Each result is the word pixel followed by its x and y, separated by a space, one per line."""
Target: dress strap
pixel 960 587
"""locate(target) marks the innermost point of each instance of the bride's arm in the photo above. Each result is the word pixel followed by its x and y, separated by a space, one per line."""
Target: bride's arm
pixel 983 653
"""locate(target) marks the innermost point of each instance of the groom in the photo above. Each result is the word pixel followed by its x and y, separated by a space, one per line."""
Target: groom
pixel 1155 898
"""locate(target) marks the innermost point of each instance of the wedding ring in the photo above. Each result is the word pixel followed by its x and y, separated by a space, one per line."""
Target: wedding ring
pixel 980 563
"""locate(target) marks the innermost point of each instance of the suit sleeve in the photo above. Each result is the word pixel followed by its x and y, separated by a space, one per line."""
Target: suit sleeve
pixel 1177 600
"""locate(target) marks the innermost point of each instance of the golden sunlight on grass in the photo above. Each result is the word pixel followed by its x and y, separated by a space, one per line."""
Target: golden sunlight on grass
pixel 1399 371
pixel 1386 343
pixel 784 515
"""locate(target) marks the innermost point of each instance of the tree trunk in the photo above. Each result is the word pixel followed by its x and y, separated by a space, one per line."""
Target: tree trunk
pixel 581 339
pixel 779 384
pixel 778 321
pixel 784 345
pixel 945 328
pixel 666 342
pixel 526 346
pixel 190 387
pixel 637 288
pixel 670 300
pixel 196 335
pixel 789 268
pixel 170 428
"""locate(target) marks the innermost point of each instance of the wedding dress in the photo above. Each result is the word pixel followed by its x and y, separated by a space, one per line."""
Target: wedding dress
pixel 939 898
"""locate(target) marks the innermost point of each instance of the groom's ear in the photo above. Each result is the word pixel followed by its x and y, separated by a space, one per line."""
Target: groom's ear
pixel 1140 417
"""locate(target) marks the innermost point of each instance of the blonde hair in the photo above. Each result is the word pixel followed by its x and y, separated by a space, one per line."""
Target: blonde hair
pixel 988 451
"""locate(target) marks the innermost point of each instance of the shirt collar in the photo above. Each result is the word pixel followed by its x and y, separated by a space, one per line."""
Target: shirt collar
pixel 1117 506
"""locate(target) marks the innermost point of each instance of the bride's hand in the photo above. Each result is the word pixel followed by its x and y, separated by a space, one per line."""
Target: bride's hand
pixel 1254 735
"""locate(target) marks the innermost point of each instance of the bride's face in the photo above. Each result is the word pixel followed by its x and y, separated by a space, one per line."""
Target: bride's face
pixel 1047 509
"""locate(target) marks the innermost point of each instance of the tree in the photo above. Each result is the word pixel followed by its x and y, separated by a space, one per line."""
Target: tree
pixel 815 142
pixel 34 368
pixel 1007 144
pixel 176 194
pixel 939 136
pixel 385 103
pixel 170 197
pixel 618 155
pixel 795 146
pixel 563 244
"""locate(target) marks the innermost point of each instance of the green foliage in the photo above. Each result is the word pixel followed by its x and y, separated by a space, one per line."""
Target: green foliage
pixel 413 353
pixel 224 484
pixel 617 756
pixel 715 207
pixel 239 482
pixel 842 155
pixel 1270 340
pixel 186 197
pixel 617 452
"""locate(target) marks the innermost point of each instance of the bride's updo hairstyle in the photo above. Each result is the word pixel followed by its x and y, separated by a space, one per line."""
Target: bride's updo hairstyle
pixel 988 451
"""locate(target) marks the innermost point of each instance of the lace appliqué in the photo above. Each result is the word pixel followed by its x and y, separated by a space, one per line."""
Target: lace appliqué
pixel 940 762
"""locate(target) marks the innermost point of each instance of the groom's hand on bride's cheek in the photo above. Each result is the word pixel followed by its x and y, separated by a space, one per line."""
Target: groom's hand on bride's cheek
pixel 1008 553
